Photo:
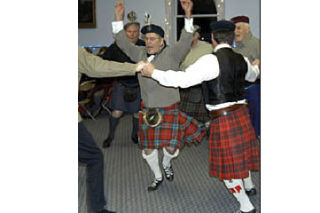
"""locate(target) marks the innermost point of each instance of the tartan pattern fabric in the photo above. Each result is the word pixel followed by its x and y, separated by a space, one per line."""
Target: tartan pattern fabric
pixel 252 94
pixel 233 148
pixel 175 129
pixel 196 110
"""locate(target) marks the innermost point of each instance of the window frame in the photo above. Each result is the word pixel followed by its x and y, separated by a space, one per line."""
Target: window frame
pixel 174 11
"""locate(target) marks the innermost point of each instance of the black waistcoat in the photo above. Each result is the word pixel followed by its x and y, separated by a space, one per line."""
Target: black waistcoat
pixel 114 53
pixel 229 85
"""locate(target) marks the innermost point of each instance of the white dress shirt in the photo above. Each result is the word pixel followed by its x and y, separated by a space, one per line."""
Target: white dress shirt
pixel 205 68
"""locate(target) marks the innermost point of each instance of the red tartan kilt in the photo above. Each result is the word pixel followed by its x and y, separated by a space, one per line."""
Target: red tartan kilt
pixel 233 148
pixel 175 129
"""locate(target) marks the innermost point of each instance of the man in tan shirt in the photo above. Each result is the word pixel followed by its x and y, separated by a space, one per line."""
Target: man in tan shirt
pixel 249 46
pixel 88 151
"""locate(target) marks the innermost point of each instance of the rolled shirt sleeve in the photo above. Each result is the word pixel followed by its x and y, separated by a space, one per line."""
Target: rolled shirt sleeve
pixel 252 72
pixel 188 25
pixel 117 26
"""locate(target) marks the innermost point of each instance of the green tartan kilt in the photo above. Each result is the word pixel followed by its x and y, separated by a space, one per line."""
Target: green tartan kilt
pixel 197 110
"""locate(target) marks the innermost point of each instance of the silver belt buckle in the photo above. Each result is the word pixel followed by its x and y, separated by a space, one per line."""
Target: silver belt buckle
pixel 152 117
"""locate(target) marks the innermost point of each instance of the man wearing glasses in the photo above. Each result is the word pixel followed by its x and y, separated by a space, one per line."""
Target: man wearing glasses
pixel 161 125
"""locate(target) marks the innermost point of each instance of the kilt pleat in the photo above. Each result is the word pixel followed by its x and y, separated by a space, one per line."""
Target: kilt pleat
pixel 175 129
pixel 233 148
pixel 195 110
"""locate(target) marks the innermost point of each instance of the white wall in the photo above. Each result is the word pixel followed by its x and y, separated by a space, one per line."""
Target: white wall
pixel 250 8
pixel 105 14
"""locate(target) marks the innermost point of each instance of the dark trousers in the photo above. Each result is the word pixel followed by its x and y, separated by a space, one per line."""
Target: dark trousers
pixel 252 94
pixel 90 154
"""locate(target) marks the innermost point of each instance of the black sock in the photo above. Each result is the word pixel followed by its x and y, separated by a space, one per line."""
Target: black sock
pixel 135 126
pixel 112 125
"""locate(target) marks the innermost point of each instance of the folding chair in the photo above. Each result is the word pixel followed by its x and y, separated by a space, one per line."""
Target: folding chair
pixel 84 97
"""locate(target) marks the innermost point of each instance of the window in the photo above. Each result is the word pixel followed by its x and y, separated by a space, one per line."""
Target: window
pixel 203 12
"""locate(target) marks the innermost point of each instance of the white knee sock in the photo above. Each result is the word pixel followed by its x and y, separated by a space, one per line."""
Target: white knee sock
pixel 167 157
pixel 248 184
pixel 236 188
pixel 153 162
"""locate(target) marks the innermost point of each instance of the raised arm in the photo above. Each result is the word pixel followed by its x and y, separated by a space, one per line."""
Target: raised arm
pixel 181 48
pixel 119 11
pixel 187 6
pixel 131 50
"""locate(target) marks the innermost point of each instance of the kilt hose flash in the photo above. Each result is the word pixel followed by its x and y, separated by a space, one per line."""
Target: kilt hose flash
pixel 175 129
pixel 233 148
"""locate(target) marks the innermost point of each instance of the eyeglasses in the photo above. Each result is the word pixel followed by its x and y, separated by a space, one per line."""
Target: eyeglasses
pixel 150 39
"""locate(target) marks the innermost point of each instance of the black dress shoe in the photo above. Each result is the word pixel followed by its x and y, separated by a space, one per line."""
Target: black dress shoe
pixel 134 139
pixel 105 211
pixel 154 185
pixel 168 171
pixel 252 211
pixel 251 192
pixel 107 142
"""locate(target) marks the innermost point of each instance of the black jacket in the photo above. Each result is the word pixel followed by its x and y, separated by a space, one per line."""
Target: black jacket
pixel 114 53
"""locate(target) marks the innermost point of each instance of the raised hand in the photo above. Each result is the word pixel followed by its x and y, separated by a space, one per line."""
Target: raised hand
pixel 119 10
pixel 187 7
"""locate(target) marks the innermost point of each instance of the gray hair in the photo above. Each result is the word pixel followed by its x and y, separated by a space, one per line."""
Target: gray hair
pixel 131 23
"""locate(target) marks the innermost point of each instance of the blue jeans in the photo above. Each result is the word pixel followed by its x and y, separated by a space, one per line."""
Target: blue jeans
pixel 90 154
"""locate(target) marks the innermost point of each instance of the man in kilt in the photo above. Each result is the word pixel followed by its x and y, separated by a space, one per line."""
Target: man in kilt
pixel 160 103
pixel 192 102
pixel 126 90
pixel 233 149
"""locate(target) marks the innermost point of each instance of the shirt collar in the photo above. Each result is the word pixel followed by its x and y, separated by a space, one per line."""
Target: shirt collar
pixel 219 46
pixel 157 53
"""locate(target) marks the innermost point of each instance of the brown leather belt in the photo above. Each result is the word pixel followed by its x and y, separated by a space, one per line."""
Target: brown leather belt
pixel 224 111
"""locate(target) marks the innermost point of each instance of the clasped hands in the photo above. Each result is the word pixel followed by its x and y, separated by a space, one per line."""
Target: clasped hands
pixel 146 68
